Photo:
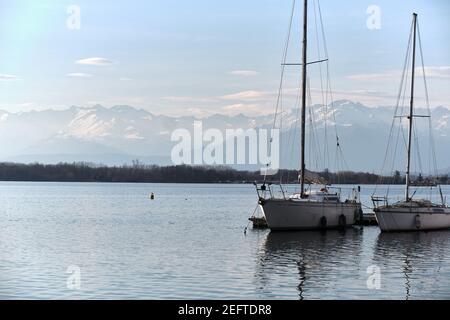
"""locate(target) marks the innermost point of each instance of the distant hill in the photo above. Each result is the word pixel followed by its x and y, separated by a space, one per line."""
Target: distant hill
pixel 140 173
pixel 118 135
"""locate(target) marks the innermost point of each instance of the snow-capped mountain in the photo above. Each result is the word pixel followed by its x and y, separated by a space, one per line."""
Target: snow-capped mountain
pixel 120 134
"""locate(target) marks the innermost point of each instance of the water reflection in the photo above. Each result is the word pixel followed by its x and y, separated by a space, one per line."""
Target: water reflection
pixel 413 259
pixel 312 262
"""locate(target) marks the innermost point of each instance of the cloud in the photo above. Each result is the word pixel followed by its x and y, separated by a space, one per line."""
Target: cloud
pixel 8 77
pixel 186 99
pixel 95 62
pixel 246 109
pixel 27 105
pixel 244 73
pixel 251 95
pixel 375 76
pixel 440 72
pixel 126 79
pixel 79 75
pixel 199 112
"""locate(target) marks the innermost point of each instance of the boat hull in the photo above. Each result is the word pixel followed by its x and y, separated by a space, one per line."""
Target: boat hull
pixel 412 219
pixel 286 215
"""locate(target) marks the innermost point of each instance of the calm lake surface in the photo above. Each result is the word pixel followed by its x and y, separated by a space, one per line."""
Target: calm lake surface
pixel 189 244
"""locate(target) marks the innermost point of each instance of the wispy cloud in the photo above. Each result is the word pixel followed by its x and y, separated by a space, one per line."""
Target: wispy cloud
pixel 374 76
pixel 27 104
pixel 187 99
pixel 440 72
pixel 242 108
pixel 8 77
pixel 250 95
pixel 79 75
pixel 244 73
pixel 96 61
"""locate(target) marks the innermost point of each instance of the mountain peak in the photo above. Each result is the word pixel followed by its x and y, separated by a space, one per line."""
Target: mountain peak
pixel 348 103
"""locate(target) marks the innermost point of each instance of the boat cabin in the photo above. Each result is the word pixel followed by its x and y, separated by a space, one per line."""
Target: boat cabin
pixel 322 195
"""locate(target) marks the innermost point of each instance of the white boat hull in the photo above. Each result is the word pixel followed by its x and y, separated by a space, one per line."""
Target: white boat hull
pixel 412 219
pixel 308 215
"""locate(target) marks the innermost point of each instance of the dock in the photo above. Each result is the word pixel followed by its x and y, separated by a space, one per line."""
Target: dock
pixel 369 219
pixel 259 222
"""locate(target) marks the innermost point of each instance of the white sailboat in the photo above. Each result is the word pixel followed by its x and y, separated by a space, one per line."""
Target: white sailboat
pixel 309 209
pixel 411 214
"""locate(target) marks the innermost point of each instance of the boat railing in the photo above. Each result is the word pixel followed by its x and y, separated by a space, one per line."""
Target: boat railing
pixel 376 200
pixel 268 190
pixel 277 191
pixel 355 194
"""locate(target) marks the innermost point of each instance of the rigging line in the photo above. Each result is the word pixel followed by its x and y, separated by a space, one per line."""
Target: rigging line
pixel 390 179
pixel 324 94
pixel 323 88
pixel 283 68
pixel 400 131
pixel 391 131
pixel 427 97
pixel 419 158
pixel 281 134
pixel 294 127
pixel 337 166
pixel 329 80
pixel 405 140
pixel 325 47
pixel 318 153
pixel 319 53
pixel 310 142
pixel 404 107
pixel 315 141
pixel 313 156
pixel 292 131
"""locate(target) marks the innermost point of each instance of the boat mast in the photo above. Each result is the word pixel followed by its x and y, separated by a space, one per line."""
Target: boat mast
pixel 304 80
pixel 411 110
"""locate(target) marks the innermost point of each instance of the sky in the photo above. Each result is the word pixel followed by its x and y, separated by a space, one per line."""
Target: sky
pixel 201 57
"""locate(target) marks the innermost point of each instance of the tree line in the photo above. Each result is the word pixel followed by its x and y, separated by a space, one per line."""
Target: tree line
pixel 142 173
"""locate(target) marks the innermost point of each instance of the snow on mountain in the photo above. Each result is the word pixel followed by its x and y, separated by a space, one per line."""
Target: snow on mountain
pixel 122 133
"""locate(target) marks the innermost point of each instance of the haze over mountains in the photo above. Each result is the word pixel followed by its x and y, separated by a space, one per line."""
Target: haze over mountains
pixel 120 134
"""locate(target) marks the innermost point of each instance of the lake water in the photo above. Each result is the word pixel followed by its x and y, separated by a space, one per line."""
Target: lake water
pixel 189 244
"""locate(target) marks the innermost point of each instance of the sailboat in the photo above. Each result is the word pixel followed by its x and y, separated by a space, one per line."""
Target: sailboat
pixel 411 214
pixel 309 209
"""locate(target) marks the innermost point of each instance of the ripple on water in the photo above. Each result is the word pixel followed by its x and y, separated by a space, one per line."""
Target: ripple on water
pixel 128 247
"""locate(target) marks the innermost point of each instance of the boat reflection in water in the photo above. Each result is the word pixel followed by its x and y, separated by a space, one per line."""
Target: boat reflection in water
pixel 334 265
pixel 310 265
pixel 417 262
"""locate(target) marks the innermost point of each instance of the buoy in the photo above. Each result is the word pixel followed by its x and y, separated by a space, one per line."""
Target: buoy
pixel 152 196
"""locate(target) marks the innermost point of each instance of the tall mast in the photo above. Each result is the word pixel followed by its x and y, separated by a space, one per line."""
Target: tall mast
pixel 411 110
pixel 304 79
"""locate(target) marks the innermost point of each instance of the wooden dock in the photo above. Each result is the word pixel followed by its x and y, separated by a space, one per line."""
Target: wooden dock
pixel 368 220
pixel 259 222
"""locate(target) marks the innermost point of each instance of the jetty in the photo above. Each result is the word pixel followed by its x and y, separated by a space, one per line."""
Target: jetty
pixel 368 219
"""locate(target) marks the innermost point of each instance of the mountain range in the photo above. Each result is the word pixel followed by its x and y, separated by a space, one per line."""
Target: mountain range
pixel 120 134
